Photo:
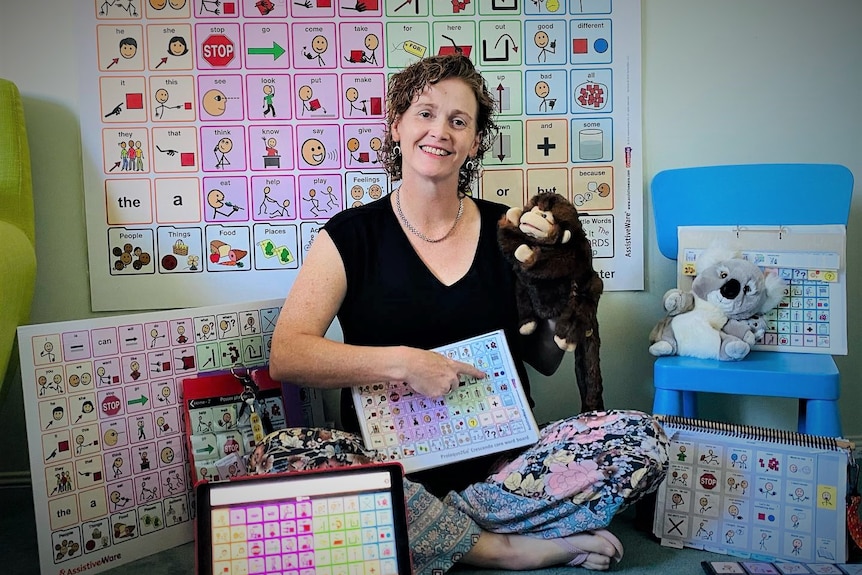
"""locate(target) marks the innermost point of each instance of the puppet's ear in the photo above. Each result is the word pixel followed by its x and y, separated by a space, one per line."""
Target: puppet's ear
pixel 567 235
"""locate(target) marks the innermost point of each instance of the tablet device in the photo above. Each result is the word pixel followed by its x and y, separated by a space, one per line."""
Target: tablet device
pixel 324 522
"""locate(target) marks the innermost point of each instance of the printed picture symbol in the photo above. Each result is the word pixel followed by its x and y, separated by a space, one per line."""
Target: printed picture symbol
pixel 268 97
pixel 546 146
pixel 372 42
pixel 504 5
pixel 127 5
pixel 454 48
pixel 502 146
pixel 319 45
pixel 65 549
pixel 315 203
pixel 161 96
pixel 128 50
pixel 224 254
pixel 174 4
pixel 550 5
pixel 210 6
pixel 264 7
pixel 48 351
pixel 504 57
pixel 221 150
pixel 216 200
pixel 543 90
pixel 271 159
pixel 353 146
pixel 545 45
pixel 591 95
pixel 415 4
pixel 309 103
pixel 313 152
pixel 602 190
pixel 276 51
pixel 131 157
pixel 130 255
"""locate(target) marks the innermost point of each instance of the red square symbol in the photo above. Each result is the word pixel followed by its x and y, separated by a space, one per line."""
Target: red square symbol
pixel 376 106
pixel 134 101
pixel 580 46
pixel 187 106
pixel 229 8
pixel 187 159
pixel 371 5
pixel 324 3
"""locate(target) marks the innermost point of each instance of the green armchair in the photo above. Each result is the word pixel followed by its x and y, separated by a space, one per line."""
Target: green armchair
pixel 17 225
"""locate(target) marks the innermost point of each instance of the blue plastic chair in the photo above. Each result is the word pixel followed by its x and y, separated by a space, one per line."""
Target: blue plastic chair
pixel 754 195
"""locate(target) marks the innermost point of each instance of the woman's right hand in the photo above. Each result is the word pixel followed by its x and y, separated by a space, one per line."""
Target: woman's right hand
pixel 435 375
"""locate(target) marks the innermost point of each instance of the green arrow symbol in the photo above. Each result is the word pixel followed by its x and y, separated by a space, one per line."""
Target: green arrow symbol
pixel 208 449
pixel 276 51
pixel 142 400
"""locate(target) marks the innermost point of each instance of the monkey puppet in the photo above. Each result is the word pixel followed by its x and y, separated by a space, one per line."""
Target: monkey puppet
pixel 555 281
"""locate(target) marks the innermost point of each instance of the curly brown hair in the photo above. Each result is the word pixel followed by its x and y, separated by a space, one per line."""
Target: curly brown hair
pixel 405 87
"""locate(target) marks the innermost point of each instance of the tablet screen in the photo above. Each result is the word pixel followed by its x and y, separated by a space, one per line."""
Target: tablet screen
pixel 344 521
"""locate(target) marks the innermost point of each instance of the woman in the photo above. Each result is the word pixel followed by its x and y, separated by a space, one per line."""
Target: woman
pixel 419 269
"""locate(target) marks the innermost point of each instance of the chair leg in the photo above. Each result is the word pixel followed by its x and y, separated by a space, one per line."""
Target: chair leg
pixel 667 402
pixel 819 417
pixel 689 404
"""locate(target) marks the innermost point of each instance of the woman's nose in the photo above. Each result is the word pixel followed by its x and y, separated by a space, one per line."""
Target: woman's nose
pixel 440 129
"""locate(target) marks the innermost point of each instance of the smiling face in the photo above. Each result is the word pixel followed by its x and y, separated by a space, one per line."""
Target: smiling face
pixel 319 44
pixel 313 152
pixel 128 48
pixel 541 39
pixel 437 132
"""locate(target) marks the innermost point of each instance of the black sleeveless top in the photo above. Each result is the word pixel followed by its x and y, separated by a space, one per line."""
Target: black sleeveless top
pixel 393 299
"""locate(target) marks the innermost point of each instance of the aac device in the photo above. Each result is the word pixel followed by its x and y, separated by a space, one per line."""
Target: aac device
pixel 330 521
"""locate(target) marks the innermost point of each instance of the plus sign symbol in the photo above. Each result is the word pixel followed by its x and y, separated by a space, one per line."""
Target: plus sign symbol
pixel 546 146
pixel 218 50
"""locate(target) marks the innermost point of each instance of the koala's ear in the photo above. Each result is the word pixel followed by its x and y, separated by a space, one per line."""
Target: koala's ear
pixel 773 287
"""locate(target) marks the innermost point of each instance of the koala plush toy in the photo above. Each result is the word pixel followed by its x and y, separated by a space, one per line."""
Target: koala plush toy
pixel 722 316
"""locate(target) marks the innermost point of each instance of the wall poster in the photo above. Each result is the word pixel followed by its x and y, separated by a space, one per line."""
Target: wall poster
pixel 220 135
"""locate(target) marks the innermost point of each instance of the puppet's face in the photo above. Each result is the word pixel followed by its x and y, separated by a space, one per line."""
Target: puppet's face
pixel 540 224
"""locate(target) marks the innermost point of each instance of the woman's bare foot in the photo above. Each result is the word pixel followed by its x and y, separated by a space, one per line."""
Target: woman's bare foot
pixel 596 551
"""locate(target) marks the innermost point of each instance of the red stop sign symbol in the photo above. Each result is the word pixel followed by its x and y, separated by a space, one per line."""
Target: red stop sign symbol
pixel 708 481
pixel 218 50
pixel 111 404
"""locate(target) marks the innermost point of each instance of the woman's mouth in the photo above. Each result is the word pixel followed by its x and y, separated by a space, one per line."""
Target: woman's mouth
pixel 434 151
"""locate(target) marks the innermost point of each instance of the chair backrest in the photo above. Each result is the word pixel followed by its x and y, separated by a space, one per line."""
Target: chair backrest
pixel 748 194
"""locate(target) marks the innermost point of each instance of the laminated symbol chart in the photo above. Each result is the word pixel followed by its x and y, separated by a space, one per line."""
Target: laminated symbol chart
pixel 221 136
pixel 105 427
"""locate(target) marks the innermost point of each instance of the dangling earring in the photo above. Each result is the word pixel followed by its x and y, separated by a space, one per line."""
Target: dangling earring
pixel 396 149
pixel 470 165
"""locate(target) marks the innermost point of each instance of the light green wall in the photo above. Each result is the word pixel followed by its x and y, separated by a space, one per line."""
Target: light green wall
pixel 734 81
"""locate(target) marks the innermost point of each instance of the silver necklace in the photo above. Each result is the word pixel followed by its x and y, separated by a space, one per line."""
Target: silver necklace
pixel 419 234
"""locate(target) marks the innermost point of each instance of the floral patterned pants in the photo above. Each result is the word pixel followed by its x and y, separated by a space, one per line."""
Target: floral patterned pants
pixel 582 472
